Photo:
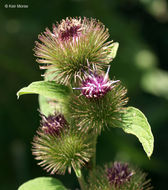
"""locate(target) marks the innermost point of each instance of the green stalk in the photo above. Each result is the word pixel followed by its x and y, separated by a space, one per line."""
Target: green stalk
pixel 80 178
pixel 78 172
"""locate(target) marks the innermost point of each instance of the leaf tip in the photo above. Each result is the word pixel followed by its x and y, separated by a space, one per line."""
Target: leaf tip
pixel 18 95
pixel 149 154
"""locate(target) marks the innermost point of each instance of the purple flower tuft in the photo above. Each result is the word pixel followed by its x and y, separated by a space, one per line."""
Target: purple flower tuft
pixel 119 174
pixel 53 124
pixel 96 86
pixel 69 28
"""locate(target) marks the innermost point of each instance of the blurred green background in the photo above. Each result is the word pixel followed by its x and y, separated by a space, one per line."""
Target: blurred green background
pixel 141 28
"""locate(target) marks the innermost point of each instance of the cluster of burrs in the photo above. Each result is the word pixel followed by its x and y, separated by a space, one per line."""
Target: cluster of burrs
pixel 76 53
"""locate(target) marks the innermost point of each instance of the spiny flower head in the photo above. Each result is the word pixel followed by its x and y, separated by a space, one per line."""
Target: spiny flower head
pixel 98 106
pixel 71 44
pixel 96 86
pixel 60 148
pixel 53 124
pixel 118 176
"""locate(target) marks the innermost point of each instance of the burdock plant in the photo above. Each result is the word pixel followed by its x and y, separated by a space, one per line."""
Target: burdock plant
pixel 77 101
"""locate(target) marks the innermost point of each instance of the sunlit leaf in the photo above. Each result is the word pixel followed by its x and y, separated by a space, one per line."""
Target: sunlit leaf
pixel 114 50
pixel 47 89
pixel 49 106
pixel 42 183
pixel 135 122
pixel 45 106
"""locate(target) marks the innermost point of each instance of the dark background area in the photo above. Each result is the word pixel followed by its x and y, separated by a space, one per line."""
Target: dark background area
pixel 141 28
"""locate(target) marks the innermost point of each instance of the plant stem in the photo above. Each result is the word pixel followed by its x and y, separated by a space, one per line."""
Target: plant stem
pixel 81 180
pixel 82 183
pixel 94 148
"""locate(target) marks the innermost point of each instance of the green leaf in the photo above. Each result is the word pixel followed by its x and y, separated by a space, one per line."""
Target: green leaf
pixel 42 183
pixel 49 106
pixel 135 122
pixel 47 89
pixel 114 49
pixel 45 106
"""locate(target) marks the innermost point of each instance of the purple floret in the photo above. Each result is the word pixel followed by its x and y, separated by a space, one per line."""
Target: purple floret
pixel 119 174
pixel 95 86
pixel 53 124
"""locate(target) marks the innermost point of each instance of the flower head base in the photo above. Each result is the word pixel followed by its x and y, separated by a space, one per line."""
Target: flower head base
pixel 53 124
pixel 97 86
pixel 119 174
pixel 70 45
